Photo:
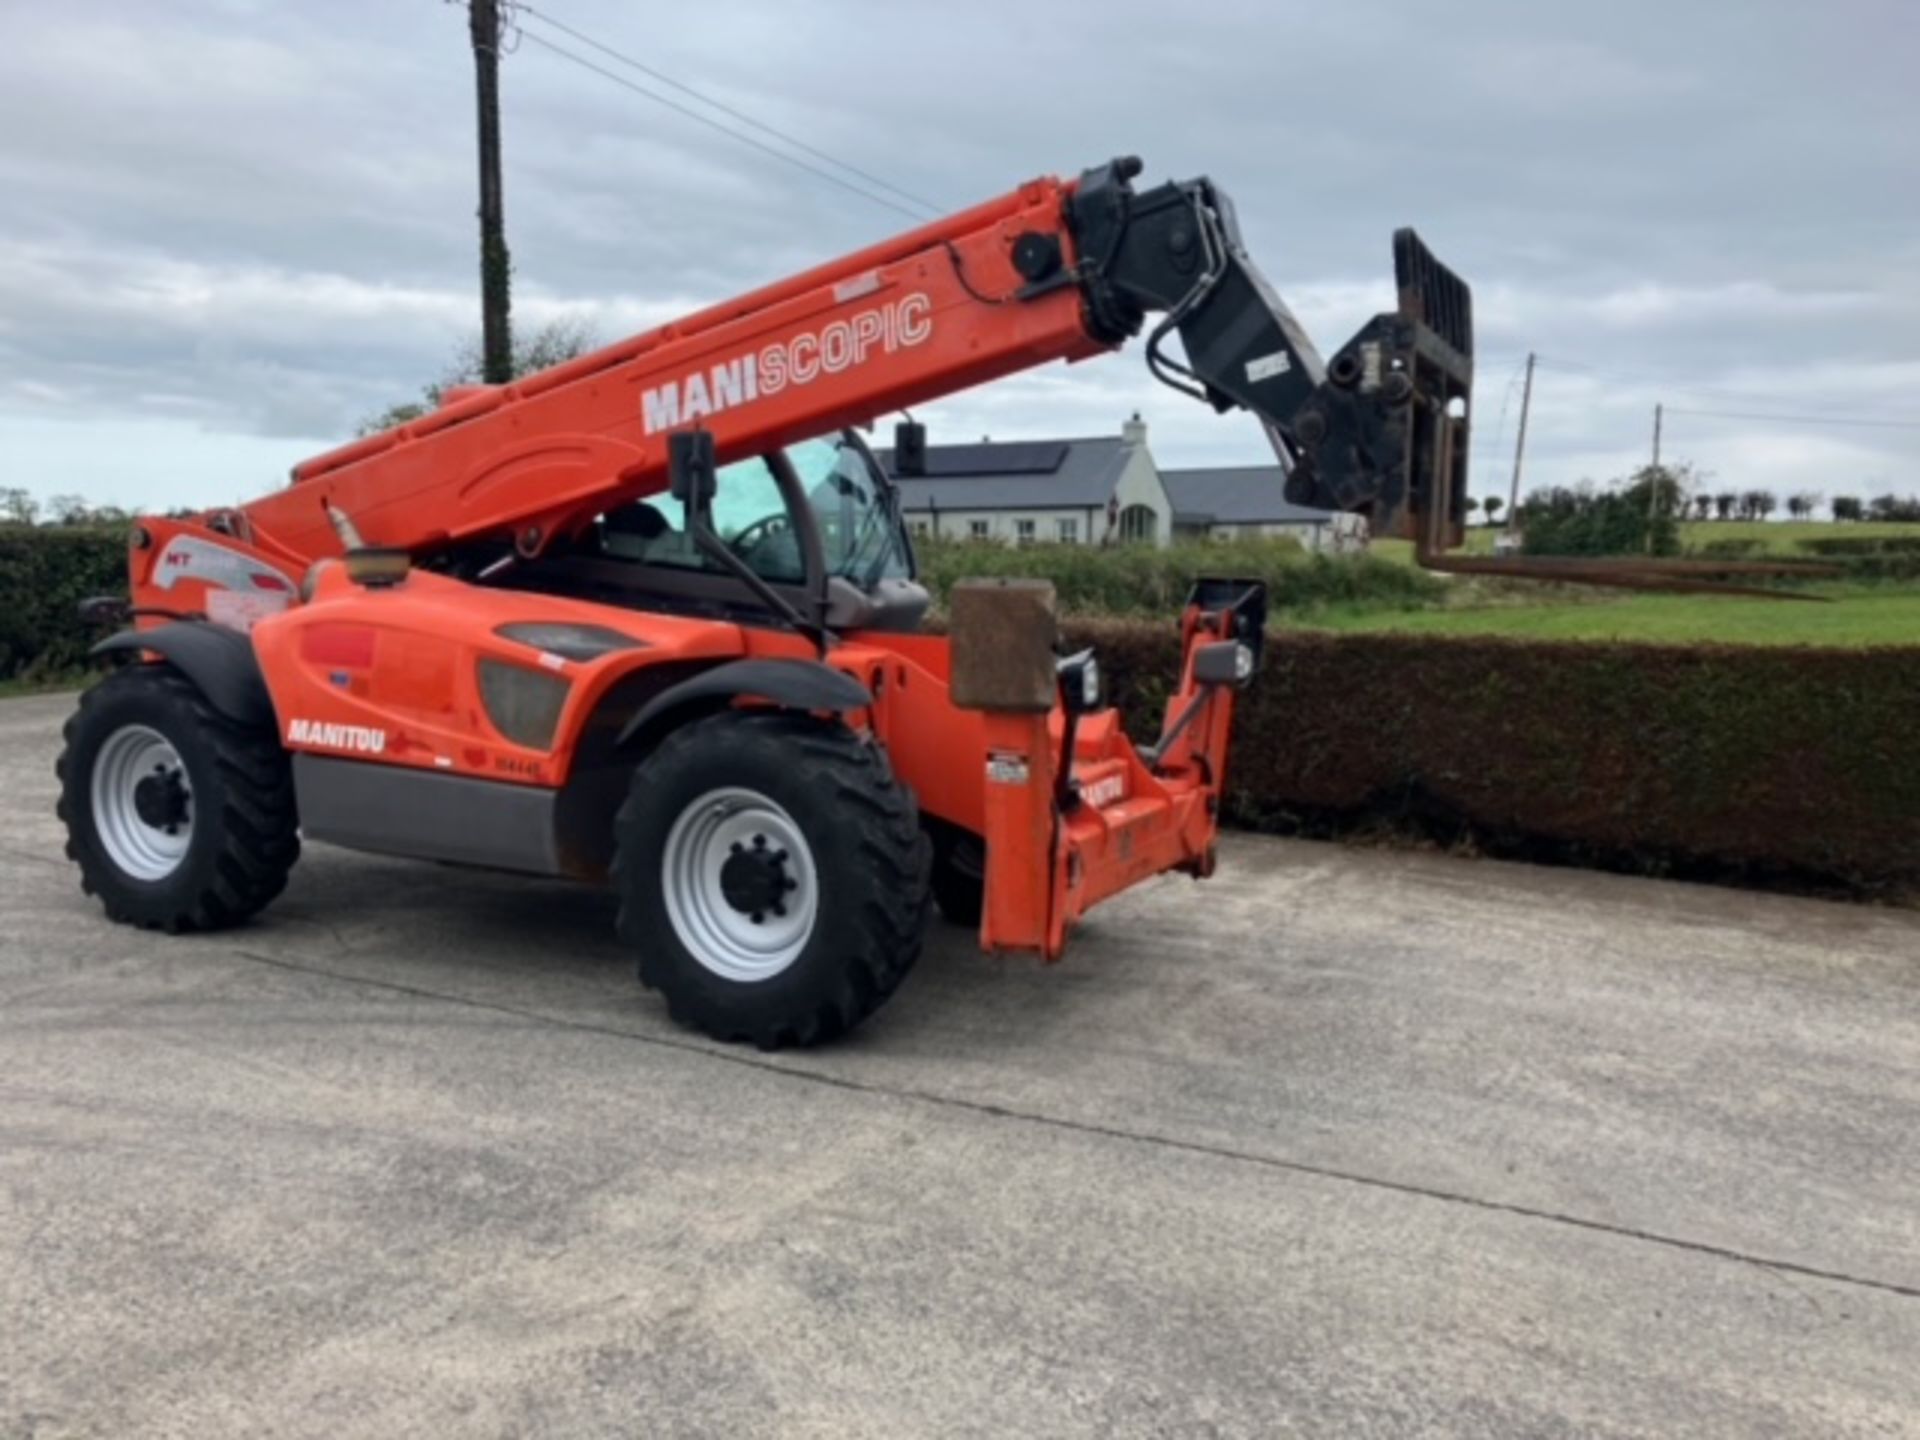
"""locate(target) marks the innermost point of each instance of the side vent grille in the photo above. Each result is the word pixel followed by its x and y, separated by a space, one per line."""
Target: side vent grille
pixel 524 705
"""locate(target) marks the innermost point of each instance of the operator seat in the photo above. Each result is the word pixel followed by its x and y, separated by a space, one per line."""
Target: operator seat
pixel 625 533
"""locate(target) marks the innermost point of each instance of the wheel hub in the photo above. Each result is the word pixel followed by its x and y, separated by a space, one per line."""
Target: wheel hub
pixel 754 879
pixel 741 884
pixel 160 799
pixel 142 802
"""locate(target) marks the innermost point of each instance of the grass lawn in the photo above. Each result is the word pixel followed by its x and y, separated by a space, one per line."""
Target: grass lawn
pixel 1782 537
pixel 1860 617
pixel 1777 537
pixel 1479 542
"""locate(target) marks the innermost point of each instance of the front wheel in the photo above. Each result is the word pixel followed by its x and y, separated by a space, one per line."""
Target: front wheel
pixel 179 818
pixel 772 876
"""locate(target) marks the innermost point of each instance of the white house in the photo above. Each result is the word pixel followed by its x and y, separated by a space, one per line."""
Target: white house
pixel 1100 489
pixel 1231 501
pixel 1064 492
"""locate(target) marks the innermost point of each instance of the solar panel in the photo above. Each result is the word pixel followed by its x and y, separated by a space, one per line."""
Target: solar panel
pixel 1032 457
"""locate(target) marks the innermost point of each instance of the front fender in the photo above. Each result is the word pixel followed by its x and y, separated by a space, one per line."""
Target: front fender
pixel 219 661
pixel 795 684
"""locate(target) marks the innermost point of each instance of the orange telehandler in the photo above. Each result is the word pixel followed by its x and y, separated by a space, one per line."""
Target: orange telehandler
pixel 650 617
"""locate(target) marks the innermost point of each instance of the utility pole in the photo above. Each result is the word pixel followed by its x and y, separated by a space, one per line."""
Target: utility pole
pixel 1520 445
pixel 1654 477
pixel 496 269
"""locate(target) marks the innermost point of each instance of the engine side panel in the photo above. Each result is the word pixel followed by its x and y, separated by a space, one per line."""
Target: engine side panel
pixel 419 676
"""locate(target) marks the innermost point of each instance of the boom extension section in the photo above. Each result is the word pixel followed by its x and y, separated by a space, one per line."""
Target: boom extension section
pixel 1054 270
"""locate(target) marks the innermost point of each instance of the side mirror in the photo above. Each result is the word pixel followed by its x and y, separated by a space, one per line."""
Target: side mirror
pixel 909 448
pixel 691 470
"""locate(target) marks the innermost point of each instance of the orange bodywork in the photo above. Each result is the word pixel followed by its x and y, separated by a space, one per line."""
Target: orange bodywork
pixel 392 675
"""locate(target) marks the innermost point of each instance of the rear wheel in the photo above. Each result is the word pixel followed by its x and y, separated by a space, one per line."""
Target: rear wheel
pixel 179 818
pixel 772 876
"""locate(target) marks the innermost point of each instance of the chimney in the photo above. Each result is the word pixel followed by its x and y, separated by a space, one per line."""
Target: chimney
pixel 1134 431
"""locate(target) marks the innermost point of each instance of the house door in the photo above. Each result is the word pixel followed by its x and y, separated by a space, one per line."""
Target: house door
pixel 1139 525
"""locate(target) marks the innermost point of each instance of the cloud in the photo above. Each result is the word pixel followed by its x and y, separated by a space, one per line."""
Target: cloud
pixel 246 220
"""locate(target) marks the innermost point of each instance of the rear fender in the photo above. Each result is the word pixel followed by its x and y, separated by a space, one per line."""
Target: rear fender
pixel 793 684
pixel 219 661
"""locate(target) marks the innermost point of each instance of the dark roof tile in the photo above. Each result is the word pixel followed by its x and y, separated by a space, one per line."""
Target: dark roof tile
pixel 1014 475
pixel 1235 495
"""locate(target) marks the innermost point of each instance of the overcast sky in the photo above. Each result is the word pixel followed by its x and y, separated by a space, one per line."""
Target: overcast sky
pixel 233 228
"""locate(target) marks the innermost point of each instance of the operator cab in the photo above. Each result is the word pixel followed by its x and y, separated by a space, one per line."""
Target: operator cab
pixel 819 522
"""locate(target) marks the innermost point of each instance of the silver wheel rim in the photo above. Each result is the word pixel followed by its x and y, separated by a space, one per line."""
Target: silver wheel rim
pixel 140 849
pixel 744 944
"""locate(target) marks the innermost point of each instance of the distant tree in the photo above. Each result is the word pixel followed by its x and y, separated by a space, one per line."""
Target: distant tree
pixel 67 510
pixel 551 345
pixel 1893 507
pixel 1470 507
pixel 1848 507
pixel 1634 516
pixel 1802 503
pixel 17 507
pixel 1724 505
pixel 1764 503
pixel 1493 505
pixel 1703 506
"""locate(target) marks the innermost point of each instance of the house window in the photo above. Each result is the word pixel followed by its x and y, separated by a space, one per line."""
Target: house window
pixel 1067 531
pixel 1023 531
pixel 977 529
pixel 918 527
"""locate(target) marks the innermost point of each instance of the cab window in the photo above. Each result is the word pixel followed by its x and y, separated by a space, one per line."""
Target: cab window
pixel 859 535
pixel 749 515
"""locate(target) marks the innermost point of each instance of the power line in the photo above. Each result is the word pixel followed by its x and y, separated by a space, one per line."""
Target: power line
pixel 1556 362
pixel 727 130
pixel 1506 400
pixel 726 109
pixel 1798 419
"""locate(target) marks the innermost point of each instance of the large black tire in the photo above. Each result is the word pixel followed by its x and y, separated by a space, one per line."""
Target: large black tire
pixel 858 865
pixel 235 827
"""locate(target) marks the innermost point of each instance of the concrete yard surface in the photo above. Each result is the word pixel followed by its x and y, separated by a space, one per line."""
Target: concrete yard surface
pixel 1341 1143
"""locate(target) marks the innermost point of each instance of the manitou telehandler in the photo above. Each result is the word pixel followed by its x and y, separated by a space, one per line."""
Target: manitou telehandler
pixel 650 617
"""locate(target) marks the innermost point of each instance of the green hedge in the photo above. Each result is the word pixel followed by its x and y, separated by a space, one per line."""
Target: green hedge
pixel 1145 580
pixel 1766 761
pixel 1868 557
pixel 45 572
pixel 1762 762
pixel 1842 546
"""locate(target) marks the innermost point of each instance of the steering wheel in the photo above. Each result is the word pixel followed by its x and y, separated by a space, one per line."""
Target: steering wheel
pixel 759 532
